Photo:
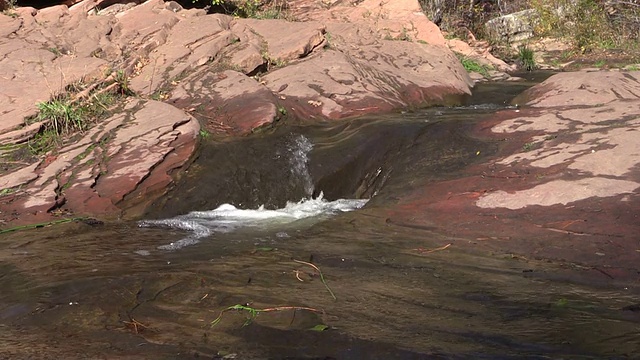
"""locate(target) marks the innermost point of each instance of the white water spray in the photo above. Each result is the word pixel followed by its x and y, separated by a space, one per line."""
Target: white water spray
pixel 227 218
pixel 299 160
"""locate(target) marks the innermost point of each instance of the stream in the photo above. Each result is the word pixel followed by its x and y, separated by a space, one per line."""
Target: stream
pixel 245 226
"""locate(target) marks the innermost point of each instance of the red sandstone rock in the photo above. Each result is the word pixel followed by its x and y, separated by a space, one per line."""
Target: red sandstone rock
pixel 571 194
pixel 351 60
pixel 229 102
pixel 135 153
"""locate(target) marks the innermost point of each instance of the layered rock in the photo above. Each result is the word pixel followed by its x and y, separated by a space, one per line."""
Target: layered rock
pixel 123 162
pixel 230 75
pixel 565 182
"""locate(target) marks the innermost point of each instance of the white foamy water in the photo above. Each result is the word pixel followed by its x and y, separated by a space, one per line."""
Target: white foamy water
pixel 299 161
pixel 227 218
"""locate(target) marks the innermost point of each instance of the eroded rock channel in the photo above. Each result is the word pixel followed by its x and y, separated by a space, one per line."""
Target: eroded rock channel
pixel 480 231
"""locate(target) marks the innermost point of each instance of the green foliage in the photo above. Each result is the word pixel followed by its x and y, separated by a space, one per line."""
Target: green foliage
pixel 74 111
pixel 319 328
pixel 252 313
pixel 592 29
pixel 204 134
pixel 531 146
pixel 41 225
pixel 6 191
pixel 122 79
pixel 43 142
pixel 55 51
pixel 7 5
pixel 458 18
pixel 61 115
pixel 526 58
pixel 472 65
pixel 589 24
pixel 257 9
pixel 327 42
pixel 240 8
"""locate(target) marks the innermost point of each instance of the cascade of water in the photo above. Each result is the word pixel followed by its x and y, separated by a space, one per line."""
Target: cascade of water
pixel 227 218
pixel 299 157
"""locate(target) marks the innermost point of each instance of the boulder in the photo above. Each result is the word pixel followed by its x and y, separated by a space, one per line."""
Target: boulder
pixel 512 28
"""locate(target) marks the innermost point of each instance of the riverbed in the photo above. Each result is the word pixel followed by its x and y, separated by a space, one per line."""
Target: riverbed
pixel 283 245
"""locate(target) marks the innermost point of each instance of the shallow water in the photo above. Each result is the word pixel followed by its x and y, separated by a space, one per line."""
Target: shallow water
pixel 116 291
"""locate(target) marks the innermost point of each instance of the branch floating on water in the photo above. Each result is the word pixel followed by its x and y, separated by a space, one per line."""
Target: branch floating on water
pixel 253 312
pixel 40 225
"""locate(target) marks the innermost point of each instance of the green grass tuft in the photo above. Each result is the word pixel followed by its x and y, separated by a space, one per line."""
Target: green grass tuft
pixel 62 116
pixel 472 65
pixel 526 58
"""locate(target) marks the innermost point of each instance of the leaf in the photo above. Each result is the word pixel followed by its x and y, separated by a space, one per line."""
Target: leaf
pixel 264 248
pixel 319 327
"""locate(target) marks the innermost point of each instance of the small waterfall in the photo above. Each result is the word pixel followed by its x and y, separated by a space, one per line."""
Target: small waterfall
pixel 227 218
pixel 299 152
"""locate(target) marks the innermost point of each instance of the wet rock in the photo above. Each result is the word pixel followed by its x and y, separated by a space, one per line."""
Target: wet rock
pixel 564 184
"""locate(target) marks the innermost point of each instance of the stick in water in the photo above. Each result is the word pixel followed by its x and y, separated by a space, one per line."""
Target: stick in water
pixel 321 276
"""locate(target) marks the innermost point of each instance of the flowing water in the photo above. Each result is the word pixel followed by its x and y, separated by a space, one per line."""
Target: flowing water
pixel 243 227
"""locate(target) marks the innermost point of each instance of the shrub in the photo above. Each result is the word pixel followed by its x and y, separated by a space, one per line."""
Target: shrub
pixel 590 24
pixel 459 16
pixel 260 9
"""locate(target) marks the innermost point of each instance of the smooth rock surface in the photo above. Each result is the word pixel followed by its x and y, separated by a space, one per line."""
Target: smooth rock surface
pixel 564 184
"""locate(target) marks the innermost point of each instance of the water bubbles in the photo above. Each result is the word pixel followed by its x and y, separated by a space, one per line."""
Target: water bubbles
pixel 299 151
pixel 227 218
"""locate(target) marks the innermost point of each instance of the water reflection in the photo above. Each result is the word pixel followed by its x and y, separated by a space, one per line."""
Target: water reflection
pixel 72 282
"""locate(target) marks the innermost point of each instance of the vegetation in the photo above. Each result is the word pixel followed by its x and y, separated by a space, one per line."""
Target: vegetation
pixel 41 225
pixel 589 25
pixel 6 5
pixel 257 9
pixel 531 146
pixel 75 110
pixel 62 116
pixel 472 65
pixel 526 58
pixel 252 313
pixel 204 134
